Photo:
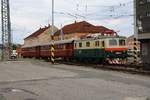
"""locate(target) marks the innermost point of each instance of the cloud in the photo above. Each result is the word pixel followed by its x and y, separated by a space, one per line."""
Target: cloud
pixel 28 15
pixel 116 21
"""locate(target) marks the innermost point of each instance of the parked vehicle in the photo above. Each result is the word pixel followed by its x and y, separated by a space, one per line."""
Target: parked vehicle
pixel 14 54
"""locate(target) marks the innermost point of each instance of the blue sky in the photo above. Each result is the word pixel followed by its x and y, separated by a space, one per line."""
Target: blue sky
pixel 29 15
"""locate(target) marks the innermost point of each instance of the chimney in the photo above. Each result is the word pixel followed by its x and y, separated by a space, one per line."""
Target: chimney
pixel 75 21
pixel 48 25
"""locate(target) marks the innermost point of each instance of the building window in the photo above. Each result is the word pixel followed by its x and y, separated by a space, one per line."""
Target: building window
pixel 148 14
pixel 80 45
pixel 97 43
pixel 148 0
pixel 87 44
pixel 141 2
pixel 139 22
pixel 140 16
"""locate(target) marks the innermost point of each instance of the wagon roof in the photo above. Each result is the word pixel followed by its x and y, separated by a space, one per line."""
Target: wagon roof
pixel 59 42
pixel 29 46
pixel 49 43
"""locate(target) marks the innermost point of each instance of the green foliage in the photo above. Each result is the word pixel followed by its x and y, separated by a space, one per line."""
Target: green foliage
pixel 15 46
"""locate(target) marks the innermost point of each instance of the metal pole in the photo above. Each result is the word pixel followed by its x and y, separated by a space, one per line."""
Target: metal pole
pixel 136 57
pixel 6 30
pixel 52 35
pixel 2 57
pixel 52 17
pixel 135 20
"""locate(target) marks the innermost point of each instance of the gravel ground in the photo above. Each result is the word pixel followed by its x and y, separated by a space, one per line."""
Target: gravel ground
pixel 39 80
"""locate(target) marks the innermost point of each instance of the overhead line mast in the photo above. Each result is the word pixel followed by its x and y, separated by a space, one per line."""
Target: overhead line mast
pixel 52 35
pixel 6 30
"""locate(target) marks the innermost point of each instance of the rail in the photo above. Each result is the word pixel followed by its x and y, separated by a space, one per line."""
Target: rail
pixel 127 68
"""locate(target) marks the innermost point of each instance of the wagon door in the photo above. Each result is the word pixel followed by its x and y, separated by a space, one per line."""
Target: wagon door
pixel 69 49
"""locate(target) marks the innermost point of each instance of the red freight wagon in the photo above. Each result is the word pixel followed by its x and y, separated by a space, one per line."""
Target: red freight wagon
pixel 45 51
pixel 63 49
pixel 30 52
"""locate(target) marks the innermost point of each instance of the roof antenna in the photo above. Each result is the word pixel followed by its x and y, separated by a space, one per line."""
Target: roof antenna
pixel 61 33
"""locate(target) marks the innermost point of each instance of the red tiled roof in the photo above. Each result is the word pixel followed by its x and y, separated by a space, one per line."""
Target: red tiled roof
pixel 82 27
pixel 38 32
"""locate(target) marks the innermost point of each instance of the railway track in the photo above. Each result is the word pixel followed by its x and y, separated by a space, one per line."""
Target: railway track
pixel 133 69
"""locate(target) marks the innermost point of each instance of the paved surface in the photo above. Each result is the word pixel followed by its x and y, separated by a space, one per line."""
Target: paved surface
pixel 38 80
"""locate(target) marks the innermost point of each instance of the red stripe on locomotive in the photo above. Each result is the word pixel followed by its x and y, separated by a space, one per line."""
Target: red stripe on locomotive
pixel 116 49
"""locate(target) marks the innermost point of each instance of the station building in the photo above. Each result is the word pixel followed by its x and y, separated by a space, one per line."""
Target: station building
pixel 41 36
pixel 143 28
pixel 74 31
pixel 77 30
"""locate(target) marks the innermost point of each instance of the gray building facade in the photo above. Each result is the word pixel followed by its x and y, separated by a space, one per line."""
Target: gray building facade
pixel 143 28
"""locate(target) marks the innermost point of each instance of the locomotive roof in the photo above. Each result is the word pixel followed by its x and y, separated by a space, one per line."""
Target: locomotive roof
pixel 101 37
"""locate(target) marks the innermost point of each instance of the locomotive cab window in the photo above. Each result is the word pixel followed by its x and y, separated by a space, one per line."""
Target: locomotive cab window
pixel 80 45
pixel 122 42
pixel 87 44
pixel 97 43
pixel 75 45
pixel 103 44
pixel 113 42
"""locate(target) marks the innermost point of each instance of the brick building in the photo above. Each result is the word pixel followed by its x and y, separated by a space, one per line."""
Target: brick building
pixel 79 29
pixel 41 36
pixel 130 43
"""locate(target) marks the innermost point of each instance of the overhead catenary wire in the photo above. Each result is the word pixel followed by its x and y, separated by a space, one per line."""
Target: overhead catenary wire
pixel 105 8
pixel 89 12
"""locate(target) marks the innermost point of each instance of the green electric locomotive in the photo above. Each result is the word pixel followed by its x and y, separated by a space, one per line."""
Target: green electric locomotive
pixel 110 49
